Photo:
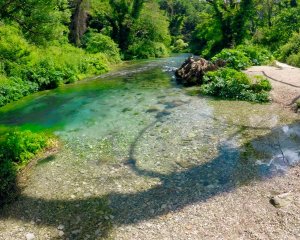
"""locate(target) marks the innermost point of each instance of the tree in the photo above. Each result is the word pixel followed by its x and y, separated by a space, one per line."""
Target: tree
pixel 41 21
pixel 232 17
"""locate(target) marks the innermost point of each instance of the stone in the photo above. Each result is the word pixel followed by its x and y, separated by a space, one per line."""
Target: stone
pixel 30 236
pixel 281 200
pixel 61 233
pixel 61 227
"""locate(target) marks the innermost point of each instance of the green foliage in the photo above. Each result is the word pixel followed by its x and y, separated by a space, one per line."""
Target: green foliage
pixel 261 84
pixel 234 58
pixel 13 89
pixel 207 36
pixel 180 46
pixel 99 43
pixel 258 55
pixel 150 35
pixel 8 185
pixel 16 149
pixel 21 146
pixel 13 46
pixel 40 21
pixel 284 24
pixel 25 68
pixel 232 84
pixel 148 49
pixel 290 52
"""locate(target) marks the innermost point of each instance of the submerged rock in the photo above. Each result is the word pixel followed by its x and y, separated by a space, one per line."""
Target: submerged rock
pixel 193 69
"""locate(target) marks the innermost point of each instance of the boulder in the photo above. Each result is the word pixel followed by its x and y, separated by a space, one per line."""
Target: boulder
pixel 193 69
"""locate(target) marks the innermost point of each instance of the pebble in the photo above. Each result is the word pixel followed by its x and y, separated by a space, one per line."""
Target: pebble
pixel 75 232
pixel 61 233
pixel 61 227
pixel 30 236
pixel 281 200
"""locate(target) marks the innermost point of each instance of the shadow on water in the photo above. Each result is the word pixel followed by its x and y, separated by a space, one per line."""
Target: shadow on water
pixel 232 168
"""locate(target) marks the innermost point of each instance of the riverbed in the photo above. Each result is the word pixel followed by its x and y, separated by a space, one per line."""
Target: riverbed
pixel 139 150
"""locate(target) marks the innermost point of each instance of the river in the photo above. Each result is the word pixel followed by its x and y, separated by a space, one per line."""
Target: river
pixel 136 146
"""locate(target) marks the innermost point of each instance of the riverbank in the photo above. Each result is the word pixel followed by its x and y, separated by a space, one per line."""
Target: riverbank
pixel 285 82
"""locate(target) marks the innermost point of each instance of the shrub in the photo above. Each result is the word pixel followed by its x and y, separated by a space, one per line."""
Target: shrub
pixel 21 146
pixel 13 89
pixel 26 68
pixel 8 185
pixel 16 149
pixel 261 84
pixel 13 47
pixel 148 49
pixel 180 46
pixel 232 84
pixel 257 54
pixel 290 52
pixel 234 58
pixel 97 42
pixel 294 60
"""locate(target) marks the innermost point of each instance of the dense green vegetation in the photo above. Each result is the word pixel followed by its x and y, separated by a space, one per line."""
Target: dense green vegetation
pixel 16 149
pixel 229 83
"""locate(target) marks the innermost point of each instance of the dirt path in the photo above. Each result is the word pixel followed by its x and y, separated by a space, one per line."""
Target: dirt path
pixel 285 80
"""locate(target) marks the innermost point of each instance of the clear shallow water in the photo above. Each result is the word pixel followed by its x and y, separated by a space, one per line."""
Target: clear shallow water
pixel 135 141
pixel 139 110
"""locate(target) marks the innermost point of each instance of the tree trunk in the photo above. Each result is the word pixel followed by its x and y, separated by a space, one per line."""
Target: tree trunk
pixel 79 19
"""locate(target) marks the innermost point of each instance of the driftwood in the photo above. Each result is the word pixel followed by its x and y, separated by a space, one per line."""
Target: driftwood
pixel 193 69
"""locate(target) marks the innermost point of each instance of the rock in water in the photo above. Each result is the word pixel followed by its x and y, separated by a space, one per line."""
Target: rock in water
pixel 193 69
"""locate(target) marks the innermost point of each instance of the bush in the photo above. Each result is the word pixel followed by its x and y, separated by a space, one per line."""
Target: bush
pixel 13 89
pixel 232 84
pixel 257 54
pixel 290 52
pixel 294 60
pixel 283 26
pixel 25 68
pixel 97 42
pixel 13 47
pixel 261 84
pixel 234 58
pixel 148 49
pixel 8 185
pixel 180 46
pixel 21 146
pixel 16 149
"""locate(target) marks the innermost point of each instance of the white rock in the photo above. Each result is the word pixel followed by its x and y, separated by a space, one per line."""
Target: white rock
pixel 61 227
pixel 61 233
pixel 30 236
